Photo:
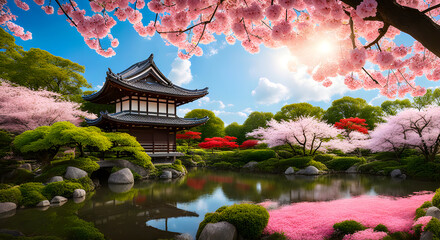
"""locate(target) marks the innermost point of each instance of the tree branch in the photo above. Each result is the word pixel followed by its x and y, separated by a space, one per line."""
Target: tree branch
pixel 382 32
pixel 67 15
pixel 431 8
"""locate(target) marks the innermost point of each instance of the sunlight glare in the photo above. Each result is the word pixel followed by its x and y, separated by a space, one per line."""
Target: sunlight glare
pixel 325 47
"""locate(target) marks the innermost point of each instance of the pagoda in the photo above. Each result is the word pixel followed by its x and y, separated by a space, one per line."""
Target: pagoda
pixel 145 107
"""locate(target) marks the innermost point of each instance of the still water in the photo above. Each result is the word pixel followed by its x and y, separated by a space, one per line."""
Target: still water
pixel 163 209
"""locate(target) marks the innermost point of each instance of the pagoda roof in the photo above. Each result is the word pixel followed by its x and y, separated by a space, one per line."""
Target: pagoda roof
pixel 142 119
pixel 143 77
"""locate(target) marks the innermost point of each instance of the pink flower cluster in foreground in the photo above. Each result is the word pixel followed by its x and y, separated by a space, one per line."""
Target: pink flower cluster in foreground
pixel 423 220
pixel 369 234
pixel 314 220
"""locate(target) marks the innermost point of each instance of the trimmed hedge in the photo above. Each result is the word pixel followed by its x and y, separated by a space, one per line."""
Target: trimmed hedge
pixel 256 155
pixel 436 199
pixel 344 163
pixel 250 220
pixel 275 165
pixel 323 157
pixel 434 227
pixel 417 167
pixel 376 166
pixel 381 228
pixel 223 165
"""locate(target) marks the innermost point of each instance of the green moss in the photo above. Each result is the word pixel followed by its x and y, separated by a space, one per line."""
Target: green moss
pixel 250 220
pixel 12 194
pixel 10 237
pixel 344 163
pixel 80 233
pixel 400 236
pixel 31 193
pixel 348 227
pixel 58 168
pixel 256 155
pixel 276 236
pixel 381 228
pixel 420 212
pixel 21 175
pixel 318 165
pixel 63 188
pixel 417 167
pixel 285 154
pixel 86 183
pixel 434 227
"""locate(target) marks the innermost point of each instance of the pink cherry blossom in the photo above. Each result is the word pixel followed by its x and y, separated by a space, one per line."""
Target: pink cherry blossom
pixel 39 2
pixel 21 5
pixel 48 9
pixel 367 8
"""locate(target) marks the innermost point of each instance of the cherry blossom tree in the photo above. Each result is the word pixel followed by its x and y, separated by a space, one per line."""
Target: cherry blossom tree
pixel 410 128
pixel 23 109
pixel 332 38
pixel 308 133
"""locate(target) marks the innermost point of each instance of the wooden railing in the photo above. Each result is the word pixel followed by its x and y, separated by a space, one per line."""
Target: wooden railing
pixel 158 148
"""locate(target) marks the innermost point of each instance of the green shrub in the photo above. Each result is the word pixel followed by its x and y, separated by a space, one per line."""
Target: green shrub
pixel 256 155
pixel 434 227
pixel 4 236
pixel 59 168
pixel 63 188
pixel 250 220
pixel 318 165
pixel 344 163
pixel 420 212
pixel 400 236
pixel 376 166
pixel 436 199
pixel 381 228
pixel 31 193
pixel 21 175
pixel 275 165
pixel 12 194
pixel 323 157
pixel 86 183
pixel 223 165
pixel 182 149
pixel 348 227
pixel 4 186
pixel 417 167
pixel 80 233
pixel 285 154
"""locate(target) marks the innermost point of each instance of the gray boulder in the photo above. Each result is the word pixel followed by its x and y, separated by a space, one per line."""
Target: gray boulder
pixel 43 203
pixel 7 207
pixel 427 235
pixel 26 166
pixel 175 173
pixel 79 200
pixel 183 236
pixel 396 173
pixel 310 170
pixel 58 200
pixel 403 176
pixel 289 171
pixel 219 231
pixel 433 212
pixel 79 193
pixel 123 176
pixel 120 188
pixel 250 165
pixel 352 169
pixel 56 179
pixel 75 173
pixel 166 174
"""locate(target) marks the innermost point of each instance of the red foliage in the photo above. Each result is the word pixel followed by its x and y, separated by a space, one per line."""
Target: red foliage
pixel 249 144
pixel 352 124
pixel 218 142
pixel 189 135
pixel 196 183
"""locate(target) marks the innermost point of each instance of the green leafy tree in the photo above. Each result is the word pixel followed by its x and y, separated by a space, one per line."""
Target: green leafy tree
pixel 214 127
pixel 296 110
pixel 347 107
pixel 394 107
pixel 430 98
pixel 92 107
pixel 125 143
pixel 236 130
pixel 256 120
pixel 38 69
pixel 45 142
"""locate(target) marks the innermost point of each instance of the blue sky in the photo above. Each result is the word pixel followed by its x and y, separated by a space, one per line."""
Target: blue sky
pixel 238 81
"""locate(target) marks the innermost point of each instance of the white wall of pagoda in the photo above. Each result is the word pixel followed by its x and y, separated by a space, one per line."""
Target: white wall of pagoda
pixel 148 106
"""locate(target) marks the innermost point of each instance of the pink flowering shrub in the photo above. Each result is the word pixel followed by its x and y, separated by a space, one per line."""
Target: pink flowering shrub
pixel 369 234
pixel 422 220
pixel 315 220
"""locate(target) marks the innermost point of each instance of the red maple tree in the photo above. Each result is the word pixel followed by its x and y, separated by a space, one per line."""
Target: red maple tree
pixel 352 124
pixel 248 144
pixel 219 142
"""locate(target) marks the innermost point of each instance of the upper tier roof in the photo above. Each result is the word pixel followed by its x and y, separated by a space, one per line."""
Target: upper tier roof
pixel 143 78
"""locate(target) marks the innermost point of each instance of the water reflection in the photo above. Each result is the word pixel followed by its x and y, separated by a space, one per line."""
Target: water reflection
pixel 161 210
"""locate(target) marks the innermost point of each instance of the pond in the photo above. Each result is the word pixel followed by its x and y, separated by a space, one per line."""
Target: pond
pixel 163 209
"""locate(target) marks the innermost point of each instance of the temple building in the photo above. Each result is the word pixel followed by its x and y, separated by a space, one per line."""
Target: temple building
pixel 145 107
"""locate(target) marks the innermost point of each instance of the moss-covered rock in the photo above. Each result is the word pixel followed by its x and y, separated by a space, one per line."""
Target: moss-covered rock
pixel 348 227
pixel 31 193
pixel 381 228
pixel 250 220
pixel 436 199
pixel 64 189
pixel 344 163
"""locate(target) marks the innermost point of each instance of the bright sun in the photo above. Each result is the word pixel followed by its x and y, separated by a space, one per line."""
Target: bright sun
pixel 324 47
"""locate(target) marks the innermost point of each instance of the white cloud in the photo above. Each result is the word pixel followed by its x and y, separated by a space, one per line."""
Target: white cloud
pixel 268 92
pixel 182 111
pixel 180 72
pixel 248 110
pixel 99 86
pixel 222 112
pixel 211 52
pixel 208 101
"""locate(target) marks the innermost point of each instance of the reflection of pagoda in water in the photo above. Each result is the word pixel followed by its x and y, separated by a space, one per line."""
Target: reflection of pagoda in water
pixel 127 219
